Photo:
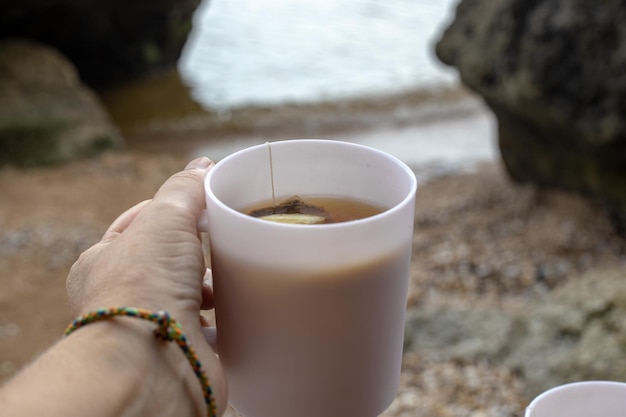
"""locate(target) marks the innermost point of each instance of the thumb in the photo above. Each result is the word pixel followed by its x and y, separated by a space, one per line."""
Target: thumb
pixel 202 163
pixel 185 189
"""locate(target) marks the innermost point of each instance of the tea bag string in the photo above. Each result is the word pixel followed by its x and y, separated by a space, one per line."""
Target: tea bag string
pixel 269 150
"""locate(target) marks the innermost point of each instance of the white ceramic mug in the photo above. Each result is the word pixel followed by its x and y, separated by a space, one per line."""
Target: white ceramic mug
pixel 310 319
pixel 581 399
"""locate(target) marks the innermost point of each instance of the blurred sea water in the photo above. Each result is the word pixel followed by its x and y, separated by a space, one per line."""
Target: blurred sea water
pixel 251 52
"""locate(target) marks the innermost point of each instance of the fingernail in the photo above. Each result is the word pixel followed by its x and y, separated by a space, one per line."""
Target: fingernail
pixel 200 163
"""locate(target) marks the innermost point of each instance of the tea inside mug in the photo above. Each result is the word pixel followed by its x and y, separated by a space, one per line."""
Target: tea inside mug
pixel 309 210
pixel 315 210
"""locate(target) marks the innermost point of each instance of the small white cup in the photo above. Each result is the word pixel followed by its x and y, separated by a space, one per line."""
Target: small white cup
pixel 581 399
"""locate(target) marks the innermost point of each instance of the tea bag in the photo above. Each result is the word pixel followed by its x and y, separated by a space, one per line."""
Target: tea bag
pixel 294 211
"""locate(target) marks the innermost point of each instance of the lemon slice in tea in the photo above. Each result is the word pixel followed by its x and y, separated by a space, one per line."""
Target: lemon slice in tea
pixel 294 211
pixel 294 218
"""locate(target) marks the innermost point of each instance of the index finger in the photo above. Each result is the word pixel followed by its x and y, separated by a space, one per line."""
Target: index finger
pixel 123 221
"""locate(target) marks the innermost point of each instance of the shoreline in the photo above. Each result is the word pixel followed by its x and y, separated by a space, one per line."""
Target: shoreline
pixel 364 112
pixel 169 118
pixel 435 131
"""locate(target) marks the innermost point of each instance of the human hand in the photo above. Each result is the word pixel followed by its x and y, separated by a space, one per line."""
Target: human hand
pixel 151 257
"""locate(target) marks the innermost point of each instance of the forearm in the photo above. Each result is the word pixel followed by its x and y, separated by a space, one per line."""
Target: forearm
pixel 112 368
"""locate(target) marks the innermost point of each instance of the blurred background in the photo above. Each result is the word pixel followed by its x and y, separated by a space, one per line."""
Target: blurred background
pixel 251 72
pixel 518 278
pixel 243 52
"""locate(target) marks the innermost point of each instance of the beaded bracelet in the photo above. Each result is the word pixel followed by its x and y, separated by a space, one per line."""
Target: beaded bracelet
pixel 168 330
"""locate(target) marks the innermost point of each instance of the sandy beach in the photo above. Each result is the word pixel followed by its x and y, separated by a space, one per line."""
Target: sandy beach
pixel 479 241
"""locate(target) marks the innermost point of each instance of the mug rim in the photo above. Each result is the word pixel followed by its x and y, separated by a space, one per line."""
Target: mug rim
pixel 529 412
pixel 387 212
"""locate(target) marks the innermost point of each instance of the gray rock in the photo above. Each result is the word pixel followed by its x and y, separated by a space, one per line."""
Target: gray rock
pixel 46 114
pixel 553 73
pixel 458 334
pixel 107 40
pixel 576 333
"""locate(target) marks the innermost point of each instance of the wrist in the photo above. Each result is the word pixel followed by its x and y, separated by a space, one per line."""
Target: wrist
pixel 145 375
pixel 168 329
pixel 174 369
pixel 110 368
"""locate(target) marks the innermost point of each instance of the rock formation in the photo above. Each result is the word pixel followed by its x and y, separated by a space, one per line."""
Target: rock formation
pixel 46 114
pixel 107 40
pixel 51 47
pixel 576 333
pixel 553 72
